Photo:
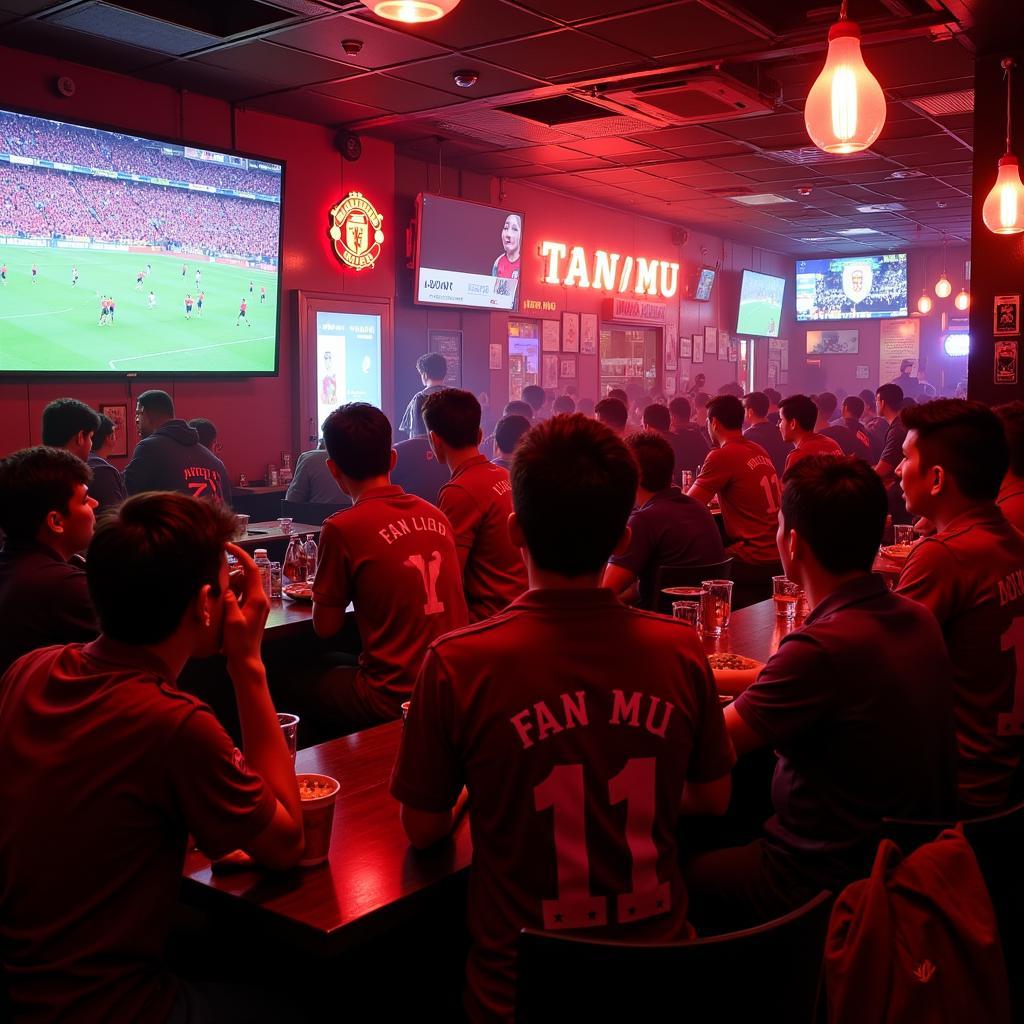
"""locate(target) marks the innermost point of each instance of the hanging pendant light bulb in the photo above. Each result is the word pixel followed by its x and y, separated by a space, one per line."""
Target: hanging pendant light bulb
pixel 411 12
pixel 962 300
pixel 845 109
pixel 1003 210
pixel 943 289
pixel 924 304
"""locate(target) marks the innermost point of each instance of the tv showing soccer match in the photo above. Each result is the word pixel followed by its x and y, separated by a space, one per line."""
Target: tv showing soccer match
pixel 128 255
pixel 760 310
pixel 705 282
pixel 852 287
pixel 467 254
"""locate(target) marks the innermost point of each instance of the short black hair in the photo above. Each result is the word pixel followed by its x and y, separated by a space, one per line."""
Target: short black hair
pixel 1012 415
pixel 508 432
pixel 35 482
pixel 164 537
pixel 63 418
pixel 757 402
pixel 535 396
pixel 620 394
pixel 680 408
pixel 573 487
pixel 585 406
pixel 358 440
pixel 156 401
pixel 563 405
pixel 657 417
pixel 518 408
pixel 612 411
pixel 799 408
pixel 774 396
pixel 867 396
pixel 854 405
pixel 432 365
pixel 966 439
pixel 206 430
pixel 103 432
pixel 733 388
pixel 837 504
pixel 892 395
pixel 655 459
pixel 826 403
pixel 454 415
pixel 728 410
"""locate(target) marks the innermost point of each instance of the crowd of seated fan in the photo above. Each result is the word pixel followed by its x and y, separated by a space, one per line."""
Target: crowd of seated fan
pixel 509 603
pixel 35 201
pixel 85 147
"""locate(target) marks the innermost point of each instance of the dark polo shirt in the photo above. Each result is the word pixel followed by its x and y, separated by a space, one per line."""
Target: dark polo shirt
pixel 43 601
pixel 770 439
pixel 417 470
pixel 670 529
pixel 689 447
pixel 858 705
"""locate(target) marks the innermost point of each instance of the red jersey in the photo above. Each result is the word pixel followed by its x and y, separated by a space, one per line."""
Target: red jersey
pixel 813 444
pixel 1011 502
pixel 504 267
pixel 971 576
pixel 478 502
pixel 393 556
pixel 242 308
pixel 105 769
pixel 743 476
pixel 567 716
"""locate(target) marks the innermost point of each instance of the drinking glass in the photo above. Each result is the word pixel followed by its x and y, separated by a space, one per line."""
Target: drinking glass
pixel 688 611
pixel 290 727
pixel 241 526
pixel 786 594
pixel 715 606
pixel 286 524
pixel 903 534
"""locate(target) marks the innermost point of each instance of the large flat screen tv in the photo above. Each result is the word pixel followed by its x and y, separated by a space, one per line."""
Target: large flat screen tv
pixel 760 310
pixel 852 287
pixel 127 255
pixel 467 254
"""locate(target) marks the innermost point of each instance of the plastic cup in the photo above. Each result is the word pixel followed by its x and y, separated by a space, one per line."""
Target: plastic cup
pixel 688 611
pixel 290 727
pixel 903 534
pixel 286 524
pixel 319 794
pixel 715 607
pixel 241 525
pixel 787 596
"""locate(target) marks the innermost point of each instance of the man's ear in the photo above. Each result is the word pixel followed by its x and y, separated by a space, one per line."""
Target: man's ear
pixel 392 461
pixel 939 480
pixel 515 531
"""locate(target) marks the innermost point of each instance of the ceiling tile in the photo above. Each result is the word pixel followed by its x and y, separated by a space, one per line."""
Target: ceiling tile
pixel 211 81
pixel 277 63
pixel 307 105
pixel 86 48
pixel 557 55
pixel 578 10
pixel 390 94
pixel 611 146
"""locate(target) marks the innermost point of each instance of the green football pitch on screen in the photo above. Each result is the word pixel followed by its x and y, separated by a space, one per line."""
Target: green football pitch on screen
pixel 758 317
pixel 52 325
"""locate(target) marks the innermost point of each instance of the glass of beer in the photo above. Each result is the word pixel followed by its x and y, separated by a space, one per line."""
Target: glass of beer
pixel 715 606
pixel 786 594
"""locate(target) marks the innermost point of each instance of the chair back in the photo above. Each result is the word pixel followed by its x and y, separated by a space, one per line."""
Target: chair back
pixel 311 512
pixel 685 576
pixel 772 972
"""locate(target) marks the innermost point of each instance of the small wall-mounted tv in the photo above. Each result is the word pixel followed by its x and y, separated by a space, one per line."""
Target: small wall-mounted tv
pixel 760 309
pixel 129 255
pixel 705 282
pixel 467 254
pixel 852 287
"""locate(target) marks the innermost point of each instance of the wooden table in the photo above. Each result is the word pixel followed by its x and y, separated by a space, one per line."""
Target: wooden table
pixel 273 538
pixel 754 632
pixel 259 502
pixel 288 619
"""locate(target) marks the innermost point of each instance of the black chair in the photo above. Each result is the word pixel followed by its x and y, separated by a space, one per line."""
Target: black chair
pixel 998 842
pixel 313 513
pixel 771 973
pixel 686 576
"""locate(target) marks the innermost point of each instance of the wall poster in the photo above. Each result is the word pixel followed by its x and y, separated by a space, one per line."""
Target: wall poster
pixel 570 332
pixel 588 334
pixel 448 344
pixel 549 335
pixel 898 340
pixel 710 340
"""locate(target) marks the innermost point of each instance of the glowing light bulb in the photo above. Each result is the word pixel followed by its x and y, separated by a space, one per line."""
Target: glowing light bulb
pixel 845 109
pixel 1003 210
pixel 962 300
pixel 924 304
pixel 943 289
pixel 411 12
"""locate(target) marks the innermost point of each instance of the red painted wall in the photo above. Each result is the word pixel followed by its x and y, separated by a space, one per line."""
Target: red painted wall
pixel 253 416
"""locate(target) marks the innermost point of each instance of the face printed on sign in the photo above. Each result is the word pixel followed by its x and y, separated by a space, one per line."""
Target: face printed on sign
pixel 857 278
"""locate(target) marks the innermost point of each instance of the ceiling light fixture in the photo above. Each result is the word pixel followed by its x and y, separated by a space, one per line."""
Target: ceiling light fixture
pixel 962 300
pixel 412 12
pixel 924 304
pixel 1003 210
pixel 943 289
pixel 845 109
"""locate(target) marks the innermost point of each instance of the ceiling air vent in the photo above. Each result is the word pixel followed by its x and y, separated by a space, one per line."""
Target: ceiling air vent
pixel 946 104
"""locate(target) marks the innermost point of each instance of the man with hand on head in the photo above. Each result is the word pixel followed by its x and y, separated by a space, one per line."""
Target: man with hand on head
pixel 119 777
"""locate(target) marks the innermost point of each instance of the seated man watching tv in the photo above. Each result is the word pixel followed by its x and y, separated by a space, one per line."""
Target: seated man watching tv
pixel 393 556
pixel 107 485
pixel 99 794
pixel 797 417
pixel 619 708
pixel 70 424
pixel 48 516
pixel 613 413
pixel 507 435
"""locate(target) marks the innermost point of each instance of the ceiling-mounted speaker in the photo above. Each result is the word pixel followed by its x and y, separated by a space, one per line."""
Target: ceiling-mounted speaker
pixel 348 145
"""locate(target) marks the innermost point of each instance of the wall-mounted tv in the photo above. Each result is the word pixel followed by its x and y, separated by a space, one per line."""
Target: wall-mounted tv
pixel 705 282
pixel 467 254
pixel 128 255
pixel 760 309
pixel 852 287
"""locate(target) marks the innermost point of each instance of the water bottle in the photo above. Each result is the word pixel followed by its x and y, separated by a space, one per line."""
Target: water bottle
pixel 275 580
pixel 309 553
pixel 295 561
pixel 263 565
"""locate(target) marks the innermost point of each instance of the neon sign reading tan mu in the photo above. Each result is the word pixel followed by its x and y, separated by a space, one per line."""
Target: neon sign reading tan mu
pixel 608 271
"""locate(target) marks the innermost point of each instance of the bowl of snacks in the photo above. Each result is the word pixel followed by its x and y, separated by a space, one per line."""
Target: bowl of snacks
pixel 733 672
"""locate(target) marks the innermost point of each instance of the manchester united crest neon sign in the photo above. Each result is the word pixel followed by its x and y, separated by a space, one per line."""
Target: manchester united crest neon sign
pixel 355 231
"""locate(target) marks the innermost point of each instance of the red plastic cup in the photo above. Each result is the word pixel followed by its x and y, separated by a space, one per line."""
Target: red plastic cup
pixel 319 794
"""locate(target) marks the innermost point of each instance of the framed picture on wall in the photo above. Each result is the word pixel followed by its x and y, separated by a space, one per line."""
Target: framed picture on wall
pixel 549 335
pixel 1006 316
pixel 671 361
pixel 698 348
pixel 670 384
pixel 494 358
pixel 118 415
pixel 588 334
pixel 710 340
pixel 686 347
pixel 567 371
pixel 1006 362
pixel 723 338
pixel 570 332
pixel 549 371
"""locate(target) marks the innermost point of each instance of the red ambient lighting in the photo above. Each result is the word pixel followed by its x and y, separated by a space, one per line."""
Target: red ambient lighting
pixel 608 271
pixel 355 231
